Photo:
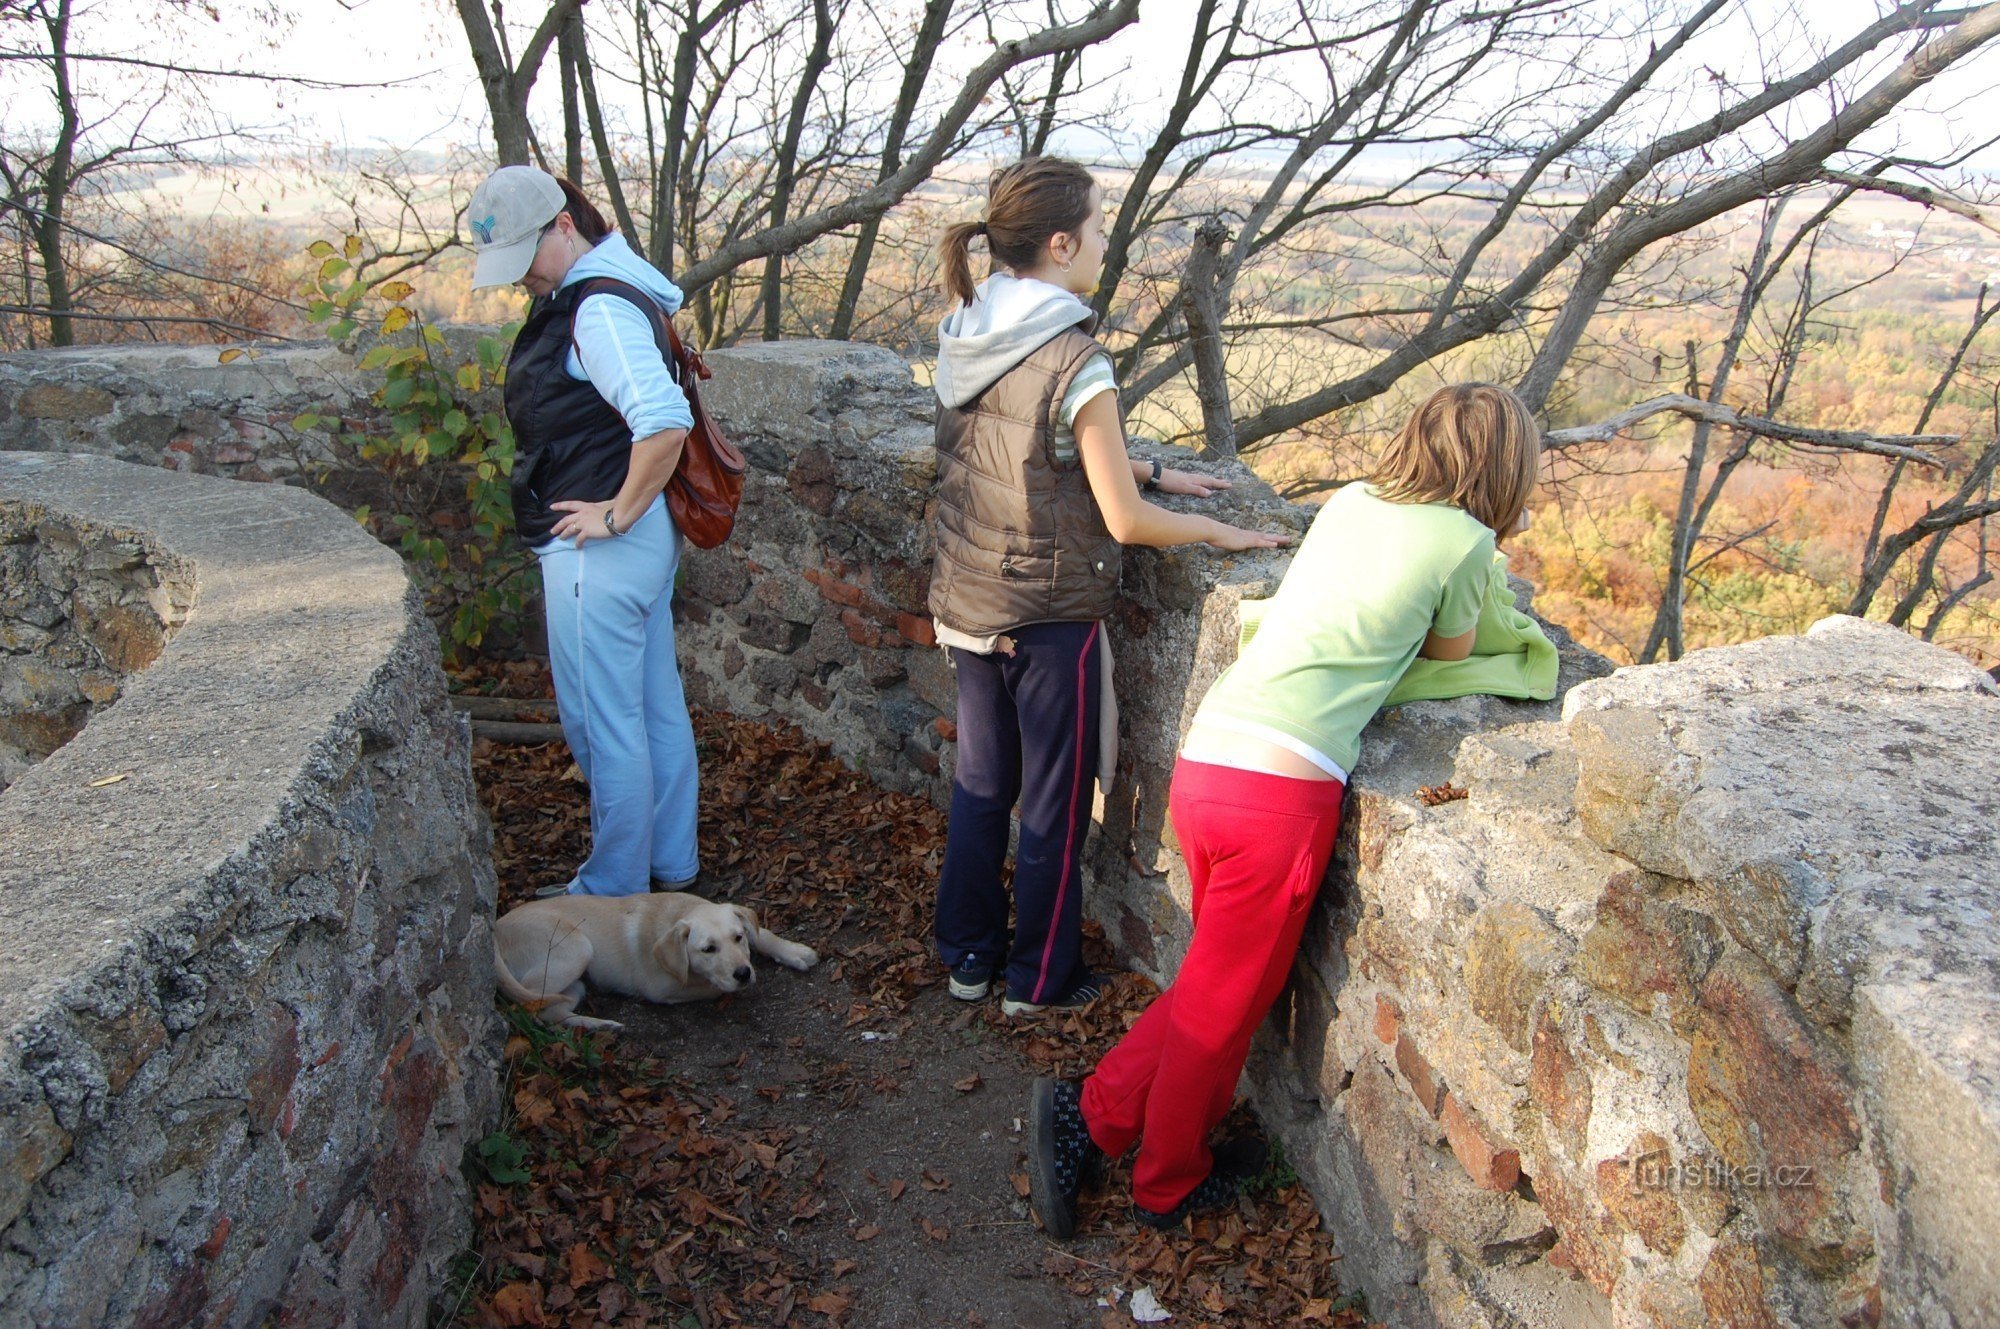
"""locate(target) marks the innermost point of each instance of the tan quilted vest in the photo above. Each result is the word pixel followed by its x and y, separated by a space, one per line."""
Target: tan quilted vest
pixel 1018 535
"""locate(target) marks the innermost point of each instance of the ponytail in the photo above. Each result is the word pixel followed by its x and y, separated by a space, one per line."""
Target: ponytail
pixel 590 223
pixel 956 252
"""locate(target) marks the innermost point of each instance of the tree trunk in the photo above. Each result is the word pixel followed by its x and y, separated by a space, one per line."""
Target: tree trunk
pixel 48 227
pixel 1201 306
pixel 916 73
pixel 569 54
pixel 607 165
pixel 1667 620
pixel 784 176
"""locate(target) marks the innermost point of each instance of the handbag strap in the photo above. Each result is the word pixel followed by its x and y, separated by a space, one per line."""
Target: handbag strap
pixel 686 366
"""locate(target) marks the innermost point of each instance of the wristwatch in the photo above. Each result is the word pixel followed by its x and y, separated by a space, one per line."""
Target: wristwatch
pixel 609 527
pixel 1153 480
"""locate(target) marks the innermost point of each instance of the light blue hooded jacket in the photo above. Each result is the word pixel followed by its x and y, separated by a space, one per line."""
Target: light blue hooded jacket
pixel 614 347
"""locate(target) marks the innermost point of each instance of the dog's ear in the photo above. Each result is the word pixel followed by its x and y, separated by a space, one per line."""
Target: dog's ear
pixel 671 952
pixel 749 917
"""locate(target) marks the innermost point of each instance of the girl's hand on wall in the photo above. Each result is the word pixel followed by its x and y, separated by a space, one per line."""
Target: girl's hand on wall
pixel 1235 538
pixel 1192 483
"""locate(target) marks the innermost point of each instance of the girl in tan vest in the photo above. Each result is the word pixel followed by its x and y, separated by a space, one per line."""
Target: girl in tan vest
pixel 1035 496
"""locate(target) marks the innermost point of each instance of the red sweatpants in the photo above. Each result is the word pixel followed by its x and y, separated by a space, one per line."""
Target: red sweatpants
pixel 1256 847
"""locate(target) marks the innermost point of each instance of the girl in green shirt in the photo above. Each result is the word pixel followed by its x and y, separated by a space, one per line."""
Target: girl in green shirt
pixel 1393 569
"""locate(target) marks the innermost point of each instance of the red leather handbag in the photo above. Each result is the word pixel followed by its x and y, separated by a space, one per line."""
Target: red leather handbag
pixel 706 487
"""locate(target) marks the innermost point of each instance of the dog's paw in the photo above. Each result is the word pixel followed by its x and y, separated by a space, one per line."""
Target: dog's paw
pixel 798 957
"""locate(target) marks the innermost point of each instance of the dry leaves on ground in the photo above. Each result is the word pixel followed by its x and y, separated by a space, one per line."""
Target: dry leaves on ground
pixel 618 1194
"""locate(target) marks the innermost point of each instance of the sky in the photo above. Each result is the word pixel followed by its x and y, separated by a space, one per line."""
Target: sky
pixel 432 101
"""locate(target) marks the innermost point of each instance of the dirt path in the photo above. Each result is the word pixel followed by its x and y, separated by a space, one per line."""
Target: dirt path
pixel 839 1147
pixel 917 1121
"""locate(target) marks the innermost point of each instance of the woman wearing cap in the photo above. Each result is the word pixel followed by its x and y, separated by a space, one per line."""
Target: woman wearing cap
pixel 598 427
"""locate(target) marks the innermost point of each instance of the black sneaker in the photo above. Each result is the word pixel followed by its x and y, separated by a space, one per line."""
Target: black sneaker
pixel 1089 990
pixel 971 979
pixel 1240 1156
pixel 1216 1191
pixel 1061 1156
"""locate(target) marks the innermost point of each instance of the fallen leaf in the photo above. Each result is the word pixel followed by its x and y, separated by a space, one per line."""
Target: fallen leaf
pixel 867 1232
pixel 519 1304
pixel 110 779
pixel 968 1084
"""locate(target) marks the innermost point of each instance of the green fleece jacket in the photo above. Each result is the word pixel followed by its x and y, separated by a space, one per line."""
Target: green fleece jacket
pixel 1511 656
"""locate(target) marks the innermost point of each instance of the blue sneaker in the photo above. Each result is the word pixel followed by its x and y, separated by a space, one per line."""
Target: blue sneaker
pixel 1078 997
pixel 971 979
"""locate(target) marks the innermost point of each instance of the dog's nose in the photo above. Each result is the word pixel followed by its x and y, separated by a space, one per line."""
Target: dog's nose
pixel 743 973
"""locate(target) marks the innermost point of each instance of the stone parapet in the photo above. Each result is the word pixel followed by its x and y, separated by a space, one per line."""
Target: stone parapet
pixel 246 1022
pixel 1684 1014
pixel 1681 1016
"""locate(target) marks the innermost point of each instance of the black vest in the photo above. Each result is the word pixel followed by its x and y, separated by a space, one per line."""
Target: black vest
pixel 569 442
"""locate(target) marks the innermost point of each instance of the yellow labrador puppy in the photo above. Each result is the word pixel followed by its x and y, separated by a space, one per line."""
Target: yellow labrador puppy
pixel 665 947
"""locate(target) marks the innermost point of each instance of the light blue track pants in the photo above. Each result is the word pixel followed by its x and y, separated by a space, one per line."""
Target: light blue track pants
pixel 611 648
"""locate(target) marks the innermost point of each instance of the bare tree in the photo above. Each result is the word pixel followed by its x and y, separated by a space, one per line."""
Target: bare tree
pixel 85 118
pixel 506 80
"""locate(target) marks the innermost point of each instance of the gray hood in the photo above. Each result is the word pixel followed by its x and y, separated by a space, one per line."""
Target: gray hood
pixel 1008 318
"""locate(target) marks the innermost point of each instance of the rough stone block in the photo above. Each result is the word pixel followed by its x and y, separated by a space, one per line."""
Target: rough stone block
pixel 1634 1188
pixel 1387 1021
pixel 1492 1164
pixel 303 706
pixel 1931 1080
pixel 1508 962
pixel 1424 1083
pixel 63 401
pixel 33 1143
pixel 1775 1102
pixel 1643 947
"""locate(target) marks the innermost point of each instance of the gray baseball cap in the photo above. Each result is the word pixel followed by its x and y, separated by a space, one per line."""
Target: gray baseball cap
pixel 506 215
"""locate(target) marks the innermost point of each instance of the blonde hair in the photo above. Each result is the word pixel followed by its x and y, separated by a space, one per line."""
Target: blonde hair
pixel 1472 445
pixel 1027 202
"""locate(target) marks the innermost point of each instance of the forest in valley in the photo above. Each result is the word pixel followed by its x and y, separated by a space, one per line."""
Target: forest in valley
pixel 1740 255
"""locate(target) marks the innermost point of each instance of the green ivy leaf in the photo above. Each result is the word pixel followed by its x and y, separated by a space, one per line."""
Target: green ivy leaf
pixel 377 357
pixel 455 423
pixel 320 249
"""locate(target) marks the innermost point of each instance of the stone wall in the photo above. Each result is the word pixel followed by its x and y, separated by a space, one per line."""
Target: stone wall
pixel 1684 1015
pixel 246 1022
pixel 78 612
pixel 179 407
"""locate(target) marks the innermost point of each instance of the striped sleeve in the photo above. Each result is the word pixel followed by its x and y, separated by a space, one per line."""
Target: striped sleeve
pixel 616 350
pixel 1093 378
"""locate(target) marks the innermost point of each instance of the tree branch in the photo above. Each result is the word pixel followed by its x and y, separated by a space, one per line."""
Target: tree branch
pixel 1904 446
pixel 1106 18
